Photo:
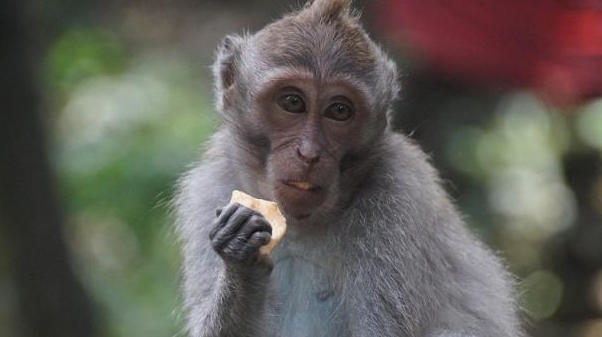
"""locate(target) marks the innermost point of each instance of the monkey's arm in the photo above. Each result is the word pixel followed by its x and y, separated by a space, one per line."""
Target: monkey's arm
pixel 227 284
pixel 423 279
pixel 233 308
pixel 221 297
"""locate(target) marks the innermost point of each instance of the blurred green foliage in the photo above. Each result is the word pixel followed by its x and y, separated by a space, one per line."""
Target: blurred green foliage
pixel 128 125
pixel 83 53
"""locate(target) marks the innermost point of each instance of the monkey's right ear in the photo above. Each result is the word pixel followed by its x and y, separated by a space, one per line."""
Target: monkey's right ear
pixel 225 66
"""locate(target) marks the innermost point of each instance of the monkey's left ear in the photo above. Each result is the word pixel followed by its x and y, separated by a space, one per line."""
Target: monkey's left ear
pixel 225 66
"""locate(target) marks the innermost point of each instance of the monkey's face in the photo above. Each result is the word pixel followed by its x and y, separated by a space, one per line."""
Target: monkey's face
pixel 308 96
pixel 311 126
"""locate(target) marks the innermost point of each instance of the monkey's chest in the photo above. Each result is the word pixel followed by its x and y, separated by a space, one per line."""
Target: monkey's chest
pixel 308 302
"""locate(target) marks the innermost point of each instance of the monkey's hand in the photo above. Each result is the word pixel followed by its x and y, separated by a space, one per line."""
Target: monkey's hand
pixel 236 236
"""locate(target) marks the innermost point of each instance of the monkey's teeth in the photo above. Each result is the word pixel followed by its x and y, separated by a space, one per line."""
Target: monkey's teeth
pixel 301 185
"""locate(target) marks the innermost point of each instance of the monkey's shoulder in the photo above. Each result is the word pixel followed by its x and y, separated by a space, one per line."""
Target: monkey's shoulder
pixel 404 156
pixel 206 186
pixel 404 179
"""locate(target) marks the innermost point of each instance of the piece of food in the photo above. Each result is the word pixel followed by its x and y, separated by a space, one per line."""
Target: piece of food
pixel 270 212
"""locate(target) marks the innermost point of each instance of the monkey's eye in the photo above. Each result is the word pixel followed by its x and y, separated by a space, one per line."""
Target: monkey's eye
pixel 291 103
pixel 339 112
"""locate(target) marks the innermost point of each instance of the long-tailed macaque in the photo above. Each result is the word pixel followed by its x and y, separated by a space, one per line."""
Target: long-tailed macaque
pixel 374 245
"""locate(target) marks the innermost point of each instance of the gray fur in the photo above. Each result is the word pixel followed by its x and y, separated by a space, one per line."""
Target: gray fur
pixel 391 258
pixel 399 258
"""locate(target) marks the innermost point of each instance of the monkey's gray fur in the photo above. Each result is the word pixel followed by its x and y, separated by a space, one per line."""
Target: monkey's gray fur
pixel 393 258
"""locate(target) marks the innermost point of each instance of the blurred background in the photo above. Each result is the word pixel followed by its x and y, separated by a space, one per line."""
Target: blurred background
pixel 104 103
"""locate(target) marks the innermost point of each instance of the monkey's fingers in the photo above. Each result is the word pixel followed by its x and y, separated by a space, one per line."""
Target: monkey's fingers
pixel 255 223
pixel 242 249
pixel 255 233
pixel 231 228
pixel 256 240
pixel 222 219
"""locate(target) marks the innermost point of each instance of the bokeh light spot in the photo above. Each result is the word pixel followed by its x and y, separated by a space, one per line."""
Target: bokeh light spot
pixel 589 124
pixel 542 294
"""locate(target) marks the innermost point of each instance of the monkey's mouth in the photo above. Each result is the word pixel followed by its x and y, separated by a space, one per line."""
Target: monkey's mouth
pixel 303 186
pixel 299 198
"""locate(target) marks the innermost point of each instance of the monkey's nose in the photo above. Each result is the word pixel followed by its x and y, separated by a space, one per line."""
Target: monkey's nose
pixel 309 154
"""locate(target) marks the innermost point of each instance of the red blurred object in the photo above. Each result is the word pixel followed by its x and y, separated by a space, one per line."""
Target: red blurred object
pixel 551 46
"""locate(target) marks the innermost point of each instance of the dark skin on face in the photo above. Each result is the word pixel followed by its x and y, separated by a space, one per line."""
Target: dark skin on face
pixel 311 125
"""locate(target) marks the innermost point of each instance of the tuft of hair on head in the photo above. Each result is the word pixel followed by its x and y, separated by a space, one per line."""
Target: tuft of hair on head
pixel 329 10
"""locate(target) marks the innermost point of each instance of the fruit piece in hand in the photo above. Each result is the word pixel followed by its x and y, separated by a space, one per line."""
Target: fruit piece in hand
pixel 270 211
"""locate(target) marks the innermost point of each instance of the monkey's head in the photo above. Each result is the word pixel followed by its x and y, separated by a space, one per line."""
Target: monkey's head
pixel 307 100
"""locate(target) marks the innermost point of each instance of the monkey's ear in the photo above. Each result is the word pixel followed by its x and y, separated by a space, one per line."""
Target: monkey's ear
pixel 329 10
pixel 225 66
pixel 389 82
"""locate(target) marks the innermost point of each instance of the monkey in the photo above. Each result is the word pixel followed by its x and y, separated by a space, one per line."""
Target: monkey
pixel 374 245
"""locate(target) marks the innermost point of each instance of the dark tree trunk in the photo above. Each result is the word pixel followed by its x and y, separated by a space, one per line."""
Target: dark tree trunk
pixel 52 301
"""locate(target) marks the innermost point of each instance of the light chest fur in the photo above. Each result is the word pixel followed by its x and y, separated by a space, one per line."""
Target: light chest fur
pixel 308 298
